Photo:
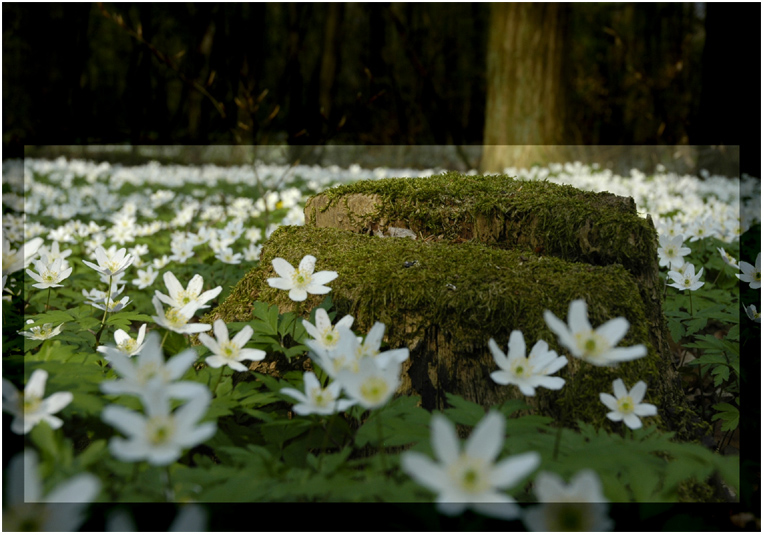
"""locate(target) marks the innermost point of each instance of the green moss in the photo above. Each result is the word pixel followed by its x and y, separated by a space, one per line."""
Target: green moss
pixel 580 226
pixel 459 296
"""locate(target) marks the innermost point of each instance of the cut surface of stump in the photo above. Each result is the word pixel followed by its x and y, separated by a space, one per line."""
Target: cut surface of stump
pixel 444 301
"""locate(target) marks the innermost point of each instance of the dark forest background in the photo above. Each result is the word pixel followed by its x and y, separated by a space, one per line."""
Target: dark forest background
pixel 460 74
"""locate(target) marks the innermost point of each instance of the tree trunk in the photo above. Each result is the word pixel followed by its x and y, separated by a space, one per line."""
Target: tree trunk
pixel 525 101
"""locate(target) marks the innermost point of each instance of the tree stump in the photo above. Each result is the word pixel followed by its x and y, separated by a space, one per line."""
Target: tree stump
pixel 490 255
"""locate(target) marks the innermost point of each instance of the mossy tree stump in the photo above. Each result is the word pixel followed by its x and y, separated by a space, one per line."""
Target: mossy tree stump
pixel 491 255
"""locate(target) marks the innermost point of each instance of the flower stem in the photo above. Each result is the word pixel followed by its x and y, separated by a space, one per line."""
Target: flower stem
pixel 105 312
pixel 382 458
pixel 690 301
pixel 47 303
pixel 168 492
pixel 557 441
pixel 164 338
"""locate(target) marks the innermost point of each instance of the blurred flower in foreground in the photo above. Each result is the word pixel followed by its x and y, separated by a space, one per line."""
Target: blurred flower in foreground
pixel 750 311
pixel 317 400
pixel 16 260
pixel 62 509
pixel 597 347
pixel 227 352
pixel 301 281
pixel 29 409
pixel 470 478
pixel 527 373
pixel 161 435
pixel 41 332
pixel 149 369
pixel 685 278
pixel 751 274
pixel 628 406
pixel 579 506
pixel 191 518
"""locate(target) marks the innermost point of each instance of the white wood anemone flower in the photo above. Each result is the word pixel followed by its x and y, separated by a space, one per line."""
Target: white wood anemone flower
pixel 627 405
pixel 139 375
pixel 671 252
pixel 728 258
pixel 29 408
pixel 345 355
pixel 192 294
pixel 527 373
pixel 750 311
pixel 371 386
pixel 323 332
pixel 176 319
pixel 17 259
pixel 26 508
pixel 316 399
pixel 49 274
pixel 110 264
pixel 472 477
pixel 578 506
pixel 685 278
pixel 161 435
pixel 227 352
pixel 126 345
pixel 42 332
pixel 301 281
pixel 751 274
pixel 372 343
pixel 597 347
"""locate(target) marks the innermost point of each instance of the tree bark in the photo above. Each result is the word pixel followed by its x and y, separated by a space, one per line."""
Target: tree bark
pixel 524 97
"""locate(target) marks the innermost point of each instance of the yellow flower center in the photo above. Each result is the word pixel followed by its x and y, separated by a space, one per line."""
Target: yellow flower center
pixel 521 367
pixel 128 346
pixel 330 337
pixel 625 405
pixel 50 276
pixel 160 429
pixel 591 344
pixel 229 350
pixel 175 318
pixel 320 397
pixel 31 404
pixel 301 279
pixel 374 389
pixel 470 474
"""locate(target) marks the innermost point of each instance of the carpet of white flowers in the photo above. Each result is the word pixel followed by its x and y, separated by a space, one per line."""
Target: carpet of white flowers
pixel 107 270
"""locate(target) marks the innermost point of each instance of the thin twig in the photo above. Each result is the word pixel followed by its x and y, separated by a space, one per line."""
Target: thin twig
pixel 138 36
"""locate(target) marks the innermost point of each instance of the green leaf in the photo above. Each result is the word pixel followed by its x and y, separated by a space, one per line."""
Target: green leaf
pixel 729 415
pixel 54 316
pixel 463 411
pixel 695 324
pixel 267 319
pixel 676 327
